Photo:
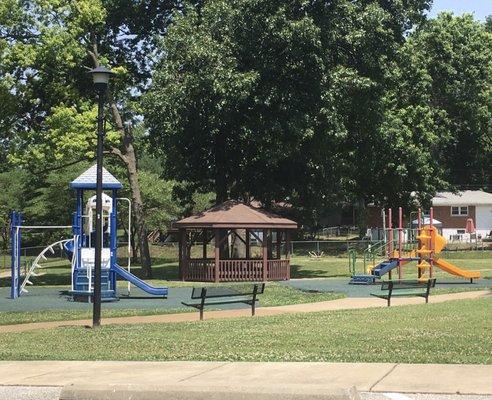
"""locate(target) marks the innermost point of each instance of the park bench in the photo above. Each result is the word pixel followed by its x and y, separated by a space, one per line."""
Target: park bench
pixel 216 295
pixel 405 288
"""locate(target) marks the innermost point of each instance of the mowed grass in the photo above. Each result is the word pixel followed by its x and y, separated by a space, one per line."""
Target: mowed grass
pixel 24 317
pixel 274 295
pixel 451 332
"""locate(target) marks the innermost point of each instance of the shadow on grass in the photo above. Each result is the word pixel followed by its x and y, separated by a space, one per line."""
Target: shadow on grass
pixel 166 272
pixel 49 279
pixel 299 271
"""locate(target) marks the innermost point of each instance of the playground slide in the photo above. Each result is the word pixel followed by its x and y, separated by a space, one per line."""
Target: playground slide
pixel 139 283
pixel 454 270
pixel 384 267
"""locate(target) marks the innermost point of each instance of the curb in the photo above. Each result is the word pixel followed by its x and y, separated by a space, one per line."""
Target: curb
pixel 135 392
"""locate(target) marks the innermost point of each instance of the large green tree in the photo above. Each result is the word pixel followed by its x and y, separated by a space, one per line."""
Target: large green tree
pixel 286 100
pixel 239 111
pixel 47 101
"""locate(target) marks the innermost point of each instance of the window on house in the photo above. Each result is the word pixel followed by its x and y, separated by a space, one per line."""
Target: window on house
pixel 460 231
pixel 459 211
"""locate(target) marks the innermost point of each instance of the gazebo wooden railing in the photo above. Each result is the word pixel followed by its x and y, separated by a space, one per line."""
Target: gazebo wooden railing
pixel 236 270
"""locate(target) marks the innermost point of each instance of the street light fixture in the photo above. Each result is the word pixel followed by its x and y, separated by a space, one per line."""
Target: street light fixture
pixel 100 77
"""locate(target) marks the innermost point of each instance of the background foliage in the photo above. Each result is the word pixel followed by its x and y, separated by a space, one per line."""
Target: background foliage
pixel 319 104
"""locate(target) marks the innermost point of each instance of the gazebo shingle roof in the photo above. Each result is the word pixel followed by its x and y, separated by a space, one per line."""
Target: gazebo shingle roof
pixel 234 214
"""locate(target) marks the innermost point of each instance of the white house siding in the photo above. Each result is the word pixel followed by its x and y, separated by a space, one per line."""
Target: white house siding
pixel 483 216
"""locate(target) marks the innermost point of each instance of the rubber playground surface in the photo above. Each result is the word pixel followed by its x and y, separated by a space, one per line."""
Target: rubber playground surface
pixel 56 298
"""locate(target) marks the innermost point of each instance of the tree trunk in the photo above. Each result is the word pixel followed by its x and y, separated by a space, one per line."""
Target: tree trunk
pixel 221 192
pixel 129 157
pixel 362 216
pixel 139 217
pixel 239 246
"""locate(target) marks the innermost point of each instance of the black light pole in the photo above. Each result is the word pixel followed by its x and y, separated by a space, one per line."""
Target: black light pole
pixel 100 76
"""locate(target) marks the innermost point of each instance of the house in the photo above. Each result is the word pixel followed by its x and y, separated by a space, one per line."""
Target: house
pixel 453 210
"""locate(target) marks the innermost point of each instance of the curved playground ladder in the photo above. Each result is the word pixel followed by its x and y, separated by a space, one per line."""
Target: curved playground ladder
pixel 37 260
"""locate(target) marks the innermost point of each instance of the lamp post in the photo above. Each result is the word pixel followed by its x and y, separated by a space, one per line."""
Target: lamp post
pixel 100 77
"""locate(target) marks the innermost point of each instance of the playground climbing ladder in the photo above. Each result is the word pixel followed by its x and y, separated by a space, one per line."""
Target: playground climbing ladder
pixel 36 263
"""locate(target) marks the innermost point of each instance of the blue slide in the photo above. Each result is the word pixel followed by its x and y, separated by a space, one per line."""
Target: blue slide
pixel 384 267
pixel 140 283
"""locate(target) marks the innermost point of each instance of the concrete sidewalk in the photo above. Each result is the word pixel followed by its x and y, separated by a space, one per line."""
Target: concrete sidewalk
pixel 240 378
pixel 340 304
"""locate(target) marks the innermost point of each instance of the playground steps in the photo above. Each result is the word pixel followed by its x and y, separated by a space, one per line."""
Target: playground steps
pixel 82 288
pixel 376 273
pixel 363 279
pixel 405 254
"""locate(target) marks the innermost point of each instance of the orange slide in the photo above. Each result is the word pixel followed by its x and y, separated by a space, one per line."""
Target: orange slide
pixel 454 270
pixel 429 234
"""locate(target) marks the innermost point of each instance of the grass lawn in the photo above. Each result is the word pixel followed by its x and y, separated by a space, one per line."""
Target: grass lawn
pixel 451 332
pixel 275 295
pixel 17 317
pixel 165 267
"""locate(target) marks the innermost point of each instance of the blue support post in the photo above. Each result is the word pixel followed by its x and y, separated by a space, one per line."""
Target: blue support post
pixel 113 242
pixel 15 244
pixel 78 231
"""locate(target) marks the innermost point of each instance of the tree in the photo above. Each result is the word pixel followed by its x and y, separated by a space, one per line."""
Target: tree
pixel 456 55
pixel 239 111
pixel 293 106
pixel 12 197
pixel 46 47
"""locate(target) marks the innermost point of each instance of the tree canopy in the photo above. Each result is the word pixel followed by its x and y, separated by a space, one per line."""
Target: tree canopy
pixel 322 102
pixel 48 108
pixel 315 103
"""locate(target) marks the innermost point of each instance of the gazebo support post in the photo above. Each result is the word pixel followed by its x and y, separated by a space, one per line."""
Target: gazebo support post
pixel 182 274
pixel 248 249
pixel 217 255
pixel 270 244
pixel 186 254
pixel 204 245
pixel 264 244
pixel 287 251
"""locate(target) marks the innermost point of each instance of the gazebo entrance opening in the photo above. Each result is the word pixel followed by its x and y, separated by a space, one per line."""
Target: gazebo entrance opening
pixel 234 242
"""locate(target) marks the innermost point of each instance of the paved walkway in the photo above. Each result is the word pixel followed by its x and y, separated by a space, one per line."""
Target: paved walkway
pixel 340 304
pixel 238 377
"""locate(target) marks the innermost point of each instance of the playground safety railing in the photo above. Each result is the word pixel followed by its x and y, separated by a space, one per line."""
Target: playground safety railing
pixel 374 254
pixel 352 257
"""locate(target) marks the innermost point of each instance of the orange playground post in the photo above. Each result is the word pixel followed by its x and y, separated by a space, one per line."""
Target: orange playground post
pixel 432 240
pixel 419 225
pixel 390 236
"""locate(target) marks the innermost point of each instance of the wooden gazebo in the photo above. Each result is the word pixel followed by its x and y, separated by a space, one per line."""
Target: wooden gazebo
pixel 245 225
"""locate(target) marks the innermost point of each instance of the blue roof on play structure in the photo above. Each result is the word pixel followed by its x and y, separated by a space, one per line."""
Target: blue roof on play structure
pixel 87 180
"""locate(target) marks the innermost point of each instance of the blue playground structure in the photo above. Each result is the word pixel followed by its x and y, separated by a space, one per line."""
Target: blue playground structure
pixel 80 248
